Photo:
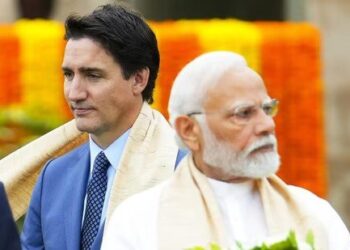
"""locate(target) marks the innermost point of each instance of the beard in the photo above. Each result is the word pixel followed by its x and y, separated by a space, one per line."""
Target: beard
pixel 220 154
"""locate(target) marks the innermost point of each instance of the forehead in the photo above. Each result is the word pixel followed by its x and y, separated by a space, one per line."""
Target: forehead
pixel 236 87
pixel 85 52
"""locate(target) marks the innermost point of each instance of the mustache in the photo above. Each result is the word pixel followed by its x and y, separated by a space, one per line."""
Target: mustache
pixel 74 105
pixel 266 141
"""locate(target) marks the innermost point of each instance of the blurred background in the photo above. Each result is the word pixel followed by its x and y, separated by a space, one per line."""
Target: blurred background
pixel 329 19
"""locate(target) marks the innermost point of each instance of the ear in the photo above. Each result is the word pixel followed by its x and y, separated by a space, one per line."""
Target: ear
pixel 188 130
pixel 140 79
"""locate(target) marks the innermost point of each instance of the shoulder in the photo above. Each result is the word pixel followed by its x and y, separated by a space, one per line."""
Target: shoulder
pixel 72 155
pixel 139 209
pixel 134 222
pixel 322 210
pixel 305 195
pixel 147 199
pixel 311 201
pixel 67 159
pixel 60 170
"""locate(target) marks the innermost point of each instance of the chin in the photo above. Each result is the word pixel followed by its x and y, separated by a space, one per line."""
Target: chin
pixel 264 165
pixel 84 126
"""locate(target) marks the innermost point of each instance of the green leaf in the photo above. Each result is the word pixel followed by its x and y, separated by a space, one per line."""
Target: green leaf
pixel 195 248
pixel 214 246
pixel 310 239
pixel 239 245
pixel 288 244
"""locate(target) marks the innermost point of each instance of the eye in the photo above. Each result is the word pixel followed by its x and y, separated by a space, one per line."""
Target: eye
pixel 267 109
pixel 93 76
pixel 271 109
pixel 244 112
pixel 68 75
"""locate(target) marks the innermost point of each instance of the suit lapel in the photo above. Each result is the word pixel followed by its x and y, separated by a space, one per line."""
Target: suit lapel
pixel 76 188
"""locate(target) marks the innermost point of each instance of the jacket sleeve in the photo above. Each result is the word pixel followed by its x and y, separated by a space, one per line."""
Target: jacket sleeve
pixel 180 155
pixel 32 234
pixel 8 233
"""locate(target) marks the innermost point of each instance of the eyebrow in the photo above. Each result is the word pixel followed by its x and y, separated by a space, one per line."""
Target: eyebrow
pixel 66 69
pixel 238 104
pixel 84 69
pixel 90 69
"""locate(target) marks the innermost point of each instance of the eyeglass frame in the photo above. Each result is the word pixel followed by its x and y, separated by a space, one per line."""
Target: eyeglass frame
pixel 272 104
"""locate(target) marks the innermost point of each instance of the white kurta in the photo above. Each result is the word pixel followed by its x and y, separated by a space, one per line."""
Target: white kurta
pixel 134 223
pixel 242 210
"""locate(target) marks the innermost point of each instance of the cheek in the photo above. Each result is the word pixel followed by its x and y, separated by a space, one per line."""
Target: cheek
pixel 67 87
pixel 66 90
pixel 239 139
pixel 108 102
pixel 242 142
pixel 245 138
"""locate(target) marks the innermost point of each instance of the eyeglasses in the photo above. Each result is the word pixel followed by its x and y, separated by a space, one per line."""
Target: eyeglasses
pixel 243 114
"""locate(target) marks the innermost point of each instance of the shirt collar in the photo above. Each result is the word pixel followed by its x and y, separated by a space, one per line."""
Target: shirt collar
pixel 224 189
pixel 113 152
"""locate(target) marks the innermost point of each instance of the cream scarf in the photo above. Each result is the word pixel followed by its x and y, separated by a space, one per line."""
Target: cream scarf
pixel 189 214
pixel 148 158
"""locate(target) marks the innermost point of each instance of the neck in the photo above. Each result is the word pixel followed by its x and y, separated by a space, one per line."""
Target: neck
pixel 106 138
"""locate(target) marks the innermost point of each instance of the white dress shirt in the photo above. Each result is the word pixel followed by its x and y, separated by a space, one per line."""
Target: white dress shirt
pixel 113 153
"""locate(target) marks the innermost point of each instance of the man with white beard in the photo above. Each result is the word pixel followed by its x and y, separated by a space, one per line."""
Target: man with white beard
pixel 224 191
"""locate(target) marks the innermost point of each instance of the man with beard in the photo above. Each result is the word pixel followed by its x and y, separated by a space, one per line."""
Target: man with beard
pixel 225 190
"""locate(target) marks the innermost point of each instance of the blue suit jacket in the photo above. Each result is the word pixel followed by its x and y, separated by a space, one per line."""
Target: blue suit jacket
pixel 9 239
pixel 55 212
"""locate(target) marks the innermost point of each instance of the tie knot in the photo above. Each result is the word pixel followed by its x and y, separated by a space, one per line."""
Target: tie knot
pixel 101 162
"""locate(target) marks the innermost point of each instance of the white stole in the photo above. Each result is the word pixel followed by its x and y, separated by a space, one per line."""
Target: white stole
pixel 189 215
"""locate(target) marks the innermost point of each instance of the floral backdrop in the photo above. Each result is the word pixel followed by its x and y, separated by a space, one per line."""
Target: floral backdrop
pixel 287 55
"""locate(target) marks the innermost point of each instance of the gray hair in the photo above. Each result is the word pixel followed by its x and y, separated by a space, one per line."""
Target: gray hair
pixel 196 78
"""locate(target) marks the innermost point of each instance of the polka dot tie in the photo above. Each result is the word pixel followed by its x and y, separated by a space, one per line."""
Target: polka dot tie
pixel 95 197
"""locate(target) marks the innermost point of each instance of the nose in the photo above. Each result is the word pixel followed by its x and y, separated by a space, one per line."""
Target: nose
pixel 265 124
pixel 75 90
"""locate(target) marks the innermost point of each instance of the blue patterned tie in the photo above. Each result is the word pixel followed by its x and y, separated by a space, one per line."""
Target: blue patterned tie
pixel 95 197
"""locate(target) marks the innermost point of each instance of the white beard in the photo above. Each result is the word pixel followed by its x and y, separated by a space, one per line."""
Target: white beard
pixel 219 154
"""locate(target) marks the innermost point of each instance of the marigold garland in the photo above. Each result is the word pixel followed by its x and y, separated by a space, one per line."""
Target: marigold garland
pixel 233 35
pixel 286 54
pixel 177 47
pixel 9 66
pixel 296 82
pixel 41 78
